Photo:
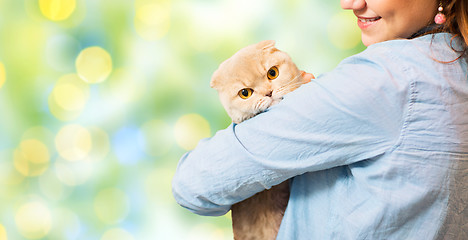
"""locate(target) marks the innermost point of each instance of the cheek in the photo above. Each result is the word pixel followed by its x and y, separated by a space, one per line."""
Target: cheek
pixel 244 105
pixel 280 81
pixel 403 18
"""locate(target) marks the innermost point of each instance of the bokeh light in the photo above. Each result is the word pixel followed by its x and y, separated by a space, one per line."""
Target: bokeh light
pixel 158 137
pixel 2 74
pixel 73 173
pixel 68 97
pixel 41 133
pixel 158 185
pixel 207 232
pixel 343 31
pixel 57 10
pixel 33 220
pixel 31 158
pixel 111 205
pixel 73 142
pixel 100 98
pixel 10 178
pixel 190 129
pixel 66 225
pixel 123 87
pixel 117 234
pixel 126 145
pixel 101 144
pixel 94 64
pixel 3 233
pixel 152 18
pixel 52 188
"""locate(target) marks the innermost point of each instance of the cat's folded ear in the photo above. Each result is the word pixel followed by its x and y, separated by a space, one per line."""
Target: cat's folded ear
pixel 214 82
pixel 267 45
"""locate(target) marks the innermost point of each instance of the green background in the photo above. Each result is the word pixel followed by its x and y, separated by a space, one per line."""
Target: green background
pixel 95 160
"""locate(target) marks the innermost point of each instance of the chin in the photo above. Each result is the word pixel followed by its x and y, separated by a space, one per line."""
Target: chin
pixel 367 41
pixel 367 44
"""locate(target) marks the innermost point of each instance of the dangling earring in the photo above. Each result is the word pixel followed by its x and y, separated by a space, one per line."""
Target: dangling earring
pixel 440 17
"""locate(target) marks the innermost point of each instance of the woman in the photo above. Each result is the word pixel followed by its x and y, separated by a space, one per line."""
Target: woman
pixel 376 149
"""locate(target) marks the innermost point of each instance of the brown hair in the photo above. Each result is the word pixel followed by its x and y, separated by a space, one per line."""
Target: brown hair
pixel 456 13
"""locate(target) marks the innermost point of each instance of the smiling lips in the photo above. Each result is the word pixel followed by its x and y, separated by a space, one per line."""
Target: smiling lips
pixel 364 22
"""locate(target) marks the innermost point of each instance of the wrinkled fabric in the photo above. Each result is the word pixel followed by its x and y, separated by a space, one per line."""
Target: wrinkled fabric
pixel 376 149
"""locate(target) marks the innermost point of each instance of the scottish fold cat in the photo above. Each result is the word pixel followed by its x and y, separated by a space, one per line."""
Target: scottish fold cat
pixel 249 82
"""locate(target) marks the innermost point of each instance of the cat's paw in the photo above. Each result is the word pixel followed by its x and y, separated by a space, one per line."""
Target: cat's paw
pixel 307 77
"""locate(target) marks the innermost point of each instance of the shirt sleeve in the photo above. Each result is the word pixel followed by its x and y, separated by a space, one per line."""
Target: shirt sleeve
pixel 353 113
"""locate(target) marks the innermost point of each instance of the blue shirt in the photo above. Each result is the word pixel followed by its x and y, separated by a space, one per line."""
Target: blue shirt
pixel 376 149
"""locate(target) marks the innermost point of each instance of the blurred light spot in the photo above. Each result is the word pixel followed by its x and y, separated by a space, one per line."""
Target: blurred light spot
pixel 75 18
pixel 190 129
pixel 111 205
pixel 71 93
pixel 13 178
pixel 40 133
pixel 2 74
pixel 57 10
pixel 121 86
pixel 213 24
pixel 66 225
pixel 60 52
pixel 101 145
pixel 73 142
pixel 152 20
pixel 68 98
pixel 60 113
pixel 205 231
pixel 33 220
pixel 73 173
pixel 125 145
pixel 158 185
pixel 117 234
pixel 93 64
pixel 343 31
pixel 3 233
pixel 205 34
pixel 163 223
pixel 158 137
pixel 10 178
pixel 31 158
pixel 52 188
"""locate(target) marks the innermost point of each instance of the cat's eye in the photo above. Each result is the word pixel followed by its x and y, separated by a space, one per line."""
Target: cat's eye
pixel 273 73
pixel 245 93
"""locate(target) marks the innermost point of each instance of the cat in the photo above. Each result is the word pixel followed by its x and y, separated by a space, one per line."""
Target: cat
pixel 252 80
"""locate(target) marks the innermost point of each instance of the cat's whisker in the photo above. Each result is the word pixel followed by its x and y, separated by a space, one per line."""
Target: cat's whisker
pixel 292 80
pixel 288 87
pixel 262 104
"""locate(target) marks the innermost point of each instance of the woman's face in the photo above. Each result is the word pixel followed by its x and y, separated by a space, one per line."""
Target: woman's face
pixel 382 20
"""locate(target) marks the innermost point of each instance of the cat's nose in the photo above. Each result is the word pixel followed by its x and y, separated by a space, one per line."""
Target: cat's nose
pixel 269 94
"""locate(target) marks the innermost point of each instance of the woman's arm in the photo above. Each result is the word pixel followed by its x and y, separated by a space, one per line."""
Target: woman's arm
pixel 351 114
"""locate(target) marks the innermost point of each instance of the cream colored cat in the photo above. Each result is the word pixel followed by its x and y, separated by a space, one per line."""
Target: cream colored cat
pixel 253 79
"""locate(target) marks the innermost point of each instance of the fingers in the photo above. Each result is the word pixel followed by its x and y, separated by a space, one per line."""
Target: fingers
pixel 307 76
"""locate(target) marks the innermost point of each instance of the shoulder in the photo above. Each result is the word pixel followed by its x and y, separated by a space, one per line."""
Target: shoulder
pixel 439 46
pixel 396 61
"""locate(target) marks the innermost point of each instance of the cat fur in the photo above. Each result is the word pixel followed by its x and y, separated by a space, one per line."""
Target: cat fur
pixel 258 217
